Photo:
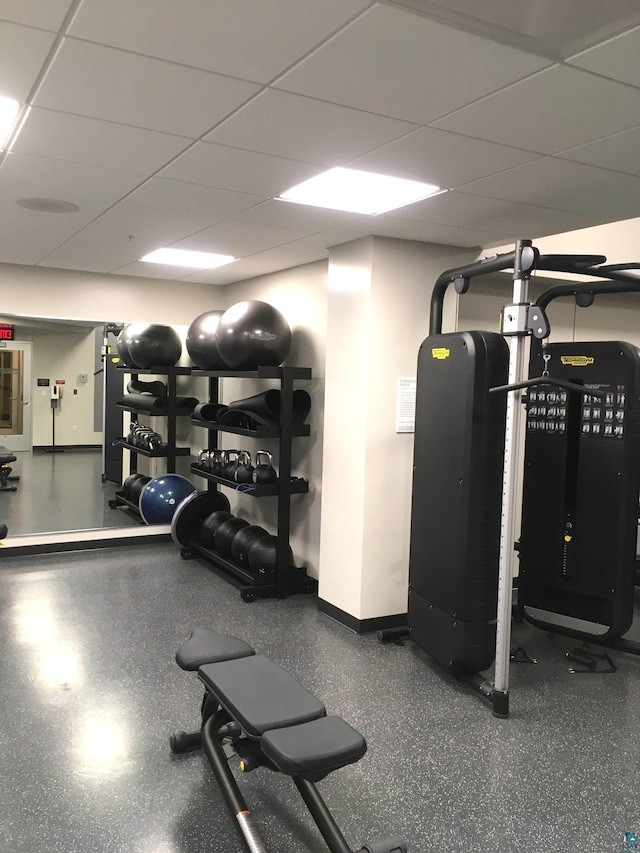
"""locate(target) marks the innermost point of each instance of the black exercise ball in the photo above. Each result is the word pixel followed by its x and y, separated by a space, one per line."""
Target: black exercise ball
pixel 211 523
pixel 251 334
pixel 243 541
pixel 226 532
pixel 135 489
pixel 263 556
pixel 124 340
pixel 201 341
pixel 155 346
pixel 125 489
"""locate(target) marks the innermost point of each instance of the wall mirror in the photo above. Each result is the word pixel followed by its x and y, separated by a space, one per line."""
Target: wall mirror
pixel 51 419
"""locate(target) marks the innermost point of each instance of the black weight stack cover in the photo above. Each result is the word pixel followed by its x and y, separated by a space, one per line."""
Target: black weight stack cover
pixel 457 497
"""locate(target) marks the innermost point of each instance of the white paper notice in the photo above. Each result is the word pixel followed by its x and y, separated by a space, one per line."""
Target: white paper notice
pixel 406 405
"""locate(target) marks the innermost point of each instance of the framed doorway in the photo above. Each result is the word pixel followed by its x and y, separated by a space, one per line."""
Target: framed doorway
pixel 15 395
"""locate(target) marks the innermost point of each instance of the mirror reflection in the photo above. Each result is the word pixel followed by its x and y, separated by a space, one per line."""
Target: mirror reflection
pixel 52 421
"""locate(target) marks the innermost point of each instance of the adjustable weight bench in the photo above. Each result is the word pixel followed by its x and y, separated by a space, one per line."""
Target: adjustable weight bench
pixel 6 456
pixel 255 709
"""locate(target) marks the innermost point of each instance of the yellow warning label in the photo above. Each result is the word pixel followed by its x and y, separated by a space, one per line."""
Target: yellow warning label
pixel 577 360
pixel 440 352
pixel 115 360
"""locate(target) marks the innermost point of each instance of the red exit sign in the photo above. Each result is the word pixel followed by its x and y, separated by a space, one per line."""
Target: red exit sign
pixel 6 332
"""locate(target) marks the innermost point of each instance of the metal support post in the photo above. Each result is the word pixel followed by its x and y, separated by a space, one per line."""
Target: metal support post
pixel 517 331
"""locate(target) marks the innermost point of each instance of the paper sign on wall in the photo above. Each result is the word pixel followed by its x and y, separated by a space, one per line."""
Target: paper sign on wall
pixel 406 405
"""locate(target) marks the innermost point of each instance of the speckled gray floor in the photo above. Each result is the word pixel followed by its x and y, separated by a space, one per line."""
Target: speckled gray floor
pixel 90 693
pixel 60 491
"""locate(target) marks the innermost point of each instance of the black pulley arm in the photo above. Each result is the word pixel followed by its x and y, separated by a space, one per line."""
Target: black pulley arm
pixel 570 263
pixel 579 289
pixel 547 380
pixel 634 265
pixel 461 277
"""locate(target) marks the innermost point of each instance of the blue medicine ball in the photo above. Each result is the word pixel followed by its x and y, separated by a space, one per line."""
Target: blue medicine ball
pixel 161 497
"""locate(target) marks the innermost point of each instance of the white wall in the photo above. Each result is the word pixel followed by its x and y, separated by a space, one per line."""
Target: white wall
pixel 61 352
pixel 611 317
pixel 64 357
pixel 378 315
pixel 42 291
pixel 618 241
pixel 301 295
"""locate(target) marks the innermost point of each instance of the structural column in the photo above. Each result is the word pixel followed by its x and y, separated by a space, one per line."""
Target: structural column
pixel 379 291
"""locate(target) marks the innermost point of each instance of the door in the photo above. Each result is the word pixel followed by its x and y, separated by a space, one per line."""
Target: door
pixel 15 395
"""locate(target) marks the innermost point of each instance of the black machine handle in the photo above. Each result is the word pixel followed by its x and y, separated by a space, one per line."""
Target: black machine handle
pixel 547 380
pixel 591 265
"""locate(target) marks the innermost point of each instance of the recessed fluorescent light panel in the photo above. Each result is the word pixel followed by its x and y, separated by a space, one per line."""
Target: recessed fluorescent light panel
pixel 358 192
pixel 8 113
pixel 183 258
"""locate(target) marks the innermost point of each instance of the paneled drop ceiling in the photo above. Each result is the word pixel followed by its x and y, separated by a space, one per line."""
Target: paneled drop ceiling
pixel 179 123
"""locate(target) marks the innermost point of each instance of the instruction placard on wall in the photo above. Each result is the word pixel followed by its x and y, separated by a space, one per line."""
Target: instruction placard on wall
pixel 406 404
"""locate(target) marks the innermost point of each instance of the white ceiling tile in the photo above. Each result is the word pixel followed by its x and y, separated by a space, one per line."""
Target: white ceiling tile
pixel 444 159
pixel 236 271
pixel 300 128
pixel 158 214
pixel 547 182
pixel 616 58
pixel 618 152
pixel 135 85
pixel 611 206
pixel 542 26
pixel 90 187
pixel 101 82
pixel 252 39
pixel 63 136
pixel 272 260
pixel 234 168
pixel 394 62
pixel 458 209
pixel 44 14
pixel 285 214
pixel 142 269
pixel 22 53
pixel 191 204
pixel 239 239
pixel 554 110
pixel 27 236
pixel 428 232
pixel 541 222
pixel 120 236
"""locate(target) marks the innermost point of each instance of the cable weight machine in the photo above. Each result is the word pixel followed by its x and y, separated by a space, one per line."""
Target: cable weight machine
pixel 469 422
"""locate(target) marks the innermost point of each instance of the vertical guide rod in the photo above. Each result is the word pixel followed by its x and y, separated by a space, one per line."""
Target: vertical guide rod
pixel 517 344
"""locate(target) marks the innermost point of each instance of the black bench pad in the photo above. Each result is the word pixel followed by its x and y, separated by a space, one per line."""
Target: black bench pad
pixel 317 747
pixel 259 694
pixel 207 646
